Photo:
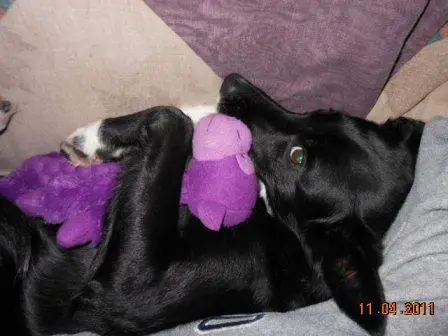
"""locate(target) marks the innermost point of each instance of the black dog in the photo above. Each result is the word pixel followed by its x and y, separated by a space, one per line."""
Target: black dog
pixel 334 185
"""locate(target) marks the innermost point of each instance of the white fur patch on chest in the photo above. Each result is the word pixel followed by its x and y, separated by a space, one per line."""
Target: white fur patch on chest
pixel 264 196
pixel 198 112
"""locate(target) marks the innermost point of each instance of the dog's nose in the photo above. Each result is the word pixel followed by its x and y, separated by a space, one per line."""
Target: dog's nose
pixel 6 106
pixel 234 83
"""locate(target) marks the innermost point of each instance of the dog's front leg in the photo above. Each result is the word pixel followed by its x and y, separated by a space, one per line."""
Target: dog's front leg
pixel 140 234
pixel 145 278
pixel 143 216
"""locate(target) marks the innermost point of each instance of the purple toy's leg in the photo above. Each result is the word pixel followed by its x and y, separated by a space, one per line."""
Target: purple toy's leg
pixel 211 214
pixel 81 229
pixel 233 218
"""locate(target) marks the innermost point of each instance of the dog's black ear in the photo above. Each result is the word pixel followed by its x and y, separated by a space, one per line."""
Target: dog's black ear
pixel 349 255
pixel 406 129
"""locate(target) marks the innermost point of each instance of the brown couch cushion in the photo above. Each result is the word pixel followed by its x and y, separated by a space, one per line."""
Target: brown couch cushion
pixel 69 62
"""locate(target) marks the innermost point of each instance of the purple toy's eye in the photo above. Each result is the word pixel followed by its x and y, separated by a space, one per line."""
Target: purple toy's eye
pixel 298 156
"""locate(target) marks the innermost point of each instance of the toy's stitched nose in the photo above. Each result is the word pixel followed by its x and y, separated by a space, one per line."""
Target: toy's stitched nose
pixel 6 106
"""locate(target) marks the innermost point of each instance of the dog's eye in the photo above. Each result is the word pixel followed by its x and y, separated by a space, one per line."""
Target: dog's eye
pixel 298 156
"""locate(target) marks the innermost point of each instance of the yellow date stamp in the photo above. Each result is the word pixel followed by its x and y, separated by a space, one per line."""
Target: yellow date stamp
pixel 412 308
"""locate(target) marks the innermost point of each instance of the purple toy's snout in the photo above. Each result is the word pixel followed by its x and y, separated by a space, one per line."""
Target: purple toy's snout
pixel 218 136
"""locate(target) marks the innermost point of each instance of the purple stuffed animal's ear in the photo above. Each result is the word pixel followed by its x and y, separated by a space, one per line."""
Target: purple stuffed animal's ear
pixel 245 163
pixel 245 137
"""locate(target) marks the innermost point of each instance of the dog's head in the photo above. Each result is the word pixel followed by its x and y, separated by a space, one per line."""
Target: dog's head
pixel 336 181
pixel 6 113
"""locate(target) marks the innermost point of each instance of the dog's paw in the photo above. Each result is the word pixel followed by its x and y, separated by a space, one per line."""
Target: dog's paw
pixel 114 138
pixel 83 146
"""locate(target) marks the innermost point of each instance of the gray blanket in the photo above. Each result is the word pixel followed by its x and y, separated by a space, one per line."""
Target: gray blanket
pixel 415 267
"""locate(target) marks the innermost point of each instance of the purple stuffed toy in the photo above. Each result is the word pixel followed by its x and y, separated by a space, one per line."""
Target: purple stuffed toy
pixel 219 185
pixel 50 187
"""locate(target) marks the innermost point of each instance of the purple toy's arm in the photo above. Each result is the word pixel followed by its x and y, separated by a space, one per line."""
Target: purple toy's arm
pixel 184 193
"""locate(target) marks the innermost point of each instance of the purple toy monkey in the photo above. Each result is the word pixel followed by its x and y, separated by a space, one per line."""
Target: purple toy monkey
pixel 219 185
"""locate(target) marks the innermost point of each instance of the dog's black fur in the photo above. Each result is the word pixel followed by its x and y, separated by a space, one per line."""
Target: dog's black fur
pixel 158 266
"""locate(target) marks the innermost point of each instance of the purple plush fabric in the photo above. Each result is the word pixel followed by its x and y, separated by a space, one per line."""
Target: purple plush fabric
pixel 306 54
pixel 218 192
pixel 219 184
pixel 218 136
pixel 48 186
